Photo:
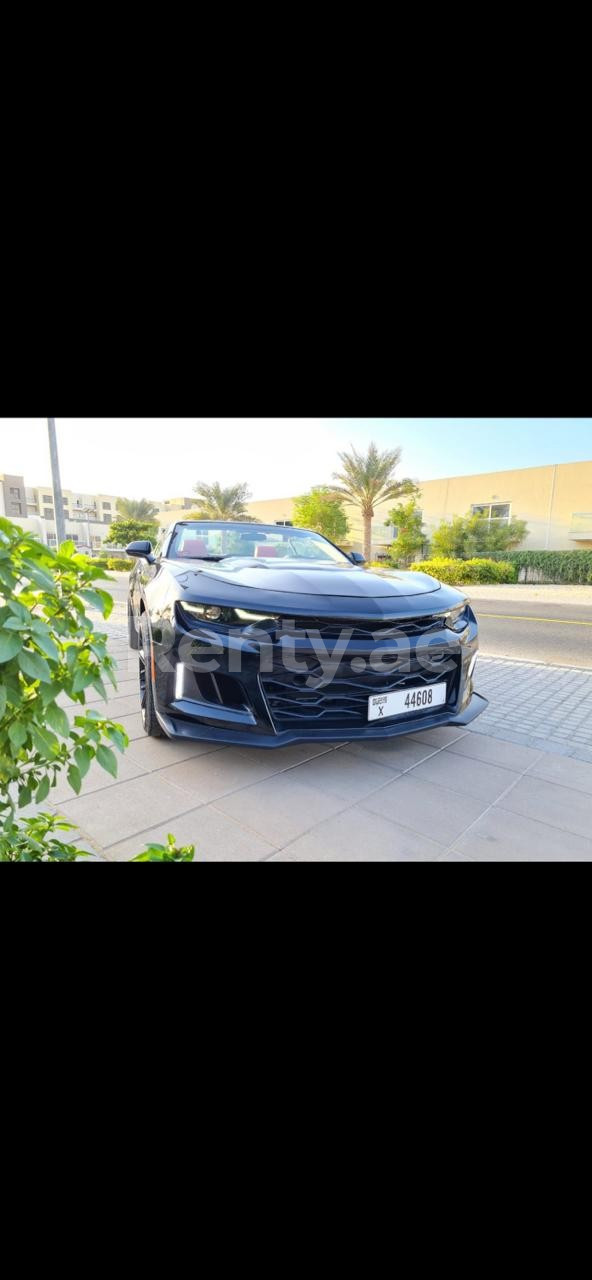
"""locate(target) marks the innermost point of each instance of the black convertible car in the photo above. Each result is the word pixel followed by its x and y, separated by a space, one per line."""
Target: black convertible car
pixel 272 635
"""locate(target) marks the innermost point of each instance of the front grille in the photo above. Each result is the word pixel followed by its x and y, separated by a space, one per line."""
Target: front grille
pixel 331 628
pixel 343 703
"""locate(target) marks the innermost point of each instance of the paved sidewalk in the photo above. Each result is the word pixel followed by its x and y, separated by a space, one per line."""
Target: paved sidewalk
pixel 537 705
pixel 478 794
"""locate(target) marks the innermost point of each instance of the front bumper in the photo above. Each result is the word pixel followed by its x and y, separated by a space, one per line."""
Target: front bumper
pixel 236 703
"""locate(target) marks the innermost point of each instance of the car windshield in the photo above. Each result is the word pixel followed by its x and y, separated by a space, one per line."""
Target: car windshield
pixel 217 541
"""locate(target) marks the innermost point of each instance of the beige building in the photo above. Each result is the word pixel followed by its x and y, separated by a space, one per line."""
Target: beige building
pixel 87 515
pixel 555 501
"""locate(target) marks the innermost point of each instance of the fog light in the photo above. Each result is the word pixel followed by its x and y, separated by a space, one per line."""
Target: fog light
pixel 472 665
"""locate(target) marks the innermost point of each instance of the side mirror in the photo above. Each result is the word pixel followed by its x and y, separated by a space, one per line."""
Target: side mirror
pixel 356 557
pixel 140 551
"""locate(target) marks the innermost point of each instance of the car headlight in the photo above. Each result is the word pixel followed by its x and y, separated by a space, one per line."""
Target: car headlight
pixel 457 619
pixel 211 612
pixel 226 616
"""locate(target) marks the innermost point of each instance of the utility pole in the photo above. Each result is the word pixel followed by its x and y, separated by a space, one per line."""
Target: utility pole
pixel 58 501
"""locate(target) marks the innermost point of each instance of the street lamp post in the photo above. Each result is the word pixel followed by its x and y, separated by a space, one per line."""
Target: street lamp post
pixel 58 501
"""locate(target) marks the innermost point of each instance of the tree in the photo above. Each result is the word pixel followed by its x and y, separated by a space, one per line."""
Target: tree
pixel 140 509
pixel 472 535
pixel 450 539
pixel 216 503
pixel 322 510
pixel 122 532
pixel 49 648
pixel 406 517
pixel 367 481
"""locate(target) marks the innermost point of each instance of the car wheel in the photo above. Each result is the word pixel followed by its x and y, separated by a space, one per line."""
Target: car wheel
pixel 147 708
pixel 133 637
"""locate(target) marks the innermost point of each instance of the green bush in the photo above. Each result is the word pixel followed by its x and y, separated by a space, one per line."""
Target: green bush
pixel 467 572
pixel 114 564
pixel 552 566
pixel 49 648
pixel 120 566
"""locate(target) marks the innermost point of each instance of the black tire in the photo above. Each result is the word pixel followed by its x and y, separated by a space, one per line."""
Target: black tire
pixel 147 708
pixel 133 637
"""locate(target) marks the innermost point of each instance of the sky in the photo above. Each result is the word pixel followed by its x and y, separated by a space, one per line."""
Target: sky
pixel 278 457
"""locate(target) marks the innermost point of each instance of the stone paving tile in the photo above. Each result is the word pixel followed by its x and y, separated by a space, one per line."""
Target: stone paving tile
pixel 566 771
pixel 125 688
pixel 558 806
pixel 150 754
pixel 359 836
pixel 397 754
pixel 349 777
pixel 454 856
pixel 133 726
pixel 440 736
pixel 217 774
pixel 281 808
pixel 550 704
pixel 216 837
pixel 486 782
pixel 129 808
pixel 501 836
pixel 436 812
pixel 96 780
pixel 494 751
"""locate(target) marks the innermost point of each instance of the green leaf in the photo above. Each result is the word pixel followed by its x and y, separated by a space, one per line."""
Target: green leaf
pixel 44 742
pixel 9 646
pixel 82 679
pixel 47 645
pixel 17 734
pixel 34 666
pixel 107 760
pixel 42 791
pixel 3 701
pixel 14 624
pixel 40 578
pixel 83 758
pixel 68 549
pixel 57 719
pixel 99 686
pixel 100 600
pixel 74 779
pixel 118 737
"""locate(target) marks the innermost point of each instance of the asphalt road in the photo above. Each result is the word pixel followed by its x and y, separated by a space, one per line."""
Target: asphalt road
pixel 557 633
pixel 509 628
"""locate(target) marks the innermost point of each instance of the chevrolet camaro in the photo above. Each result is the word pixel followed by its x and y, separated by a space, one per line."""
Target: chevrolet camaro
pixel 265 634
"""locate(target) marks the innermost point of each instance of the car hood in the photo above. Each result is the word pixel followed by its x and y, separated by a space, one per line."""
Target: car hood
pixel 300 578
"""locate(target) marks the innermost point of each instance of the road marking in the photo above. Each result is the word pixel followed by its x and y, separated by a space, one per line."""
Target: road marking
pixel 521 617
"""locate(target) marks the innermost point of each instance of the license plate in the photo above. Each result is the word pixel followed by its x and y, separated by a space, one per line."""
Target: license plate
pixel 406 702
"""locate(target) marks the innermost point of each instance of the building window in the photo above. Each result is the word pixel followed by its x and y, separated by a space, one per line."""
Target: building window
pixel 17 509
pixel 15 493
pixel 51 540
pixel 107 519
pixel 47 499
pixel 48 513
pixel 499 512
pixel 107 506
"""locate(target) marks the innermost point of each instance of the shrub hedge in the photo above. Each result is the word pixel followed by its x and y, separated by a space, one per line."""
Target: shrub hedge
pixel 114 564
pixel 551 566
pixel 467 572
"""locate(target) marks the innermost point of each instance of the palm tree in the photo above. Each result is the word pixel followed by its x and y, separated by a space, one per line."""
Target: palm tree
pixel 368 481
pixel 216 503
pixel 140 509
